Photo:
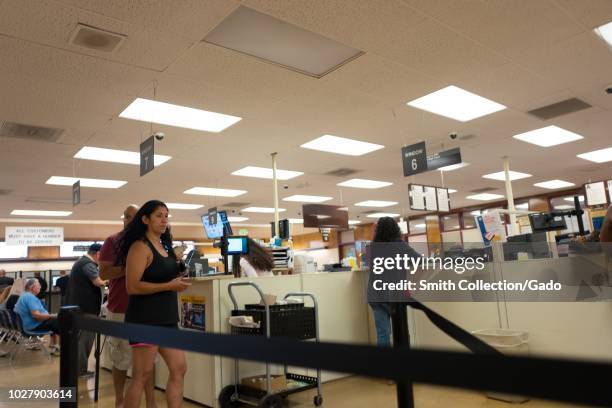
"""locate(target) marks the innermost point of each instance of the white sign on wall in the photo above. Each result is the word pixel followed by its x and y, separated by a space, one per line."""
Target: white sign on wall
pixel 34 236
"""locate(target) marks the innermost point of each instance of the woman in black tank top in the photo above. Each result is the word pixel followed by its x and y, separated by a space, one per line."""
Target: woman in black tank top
pixel 153 280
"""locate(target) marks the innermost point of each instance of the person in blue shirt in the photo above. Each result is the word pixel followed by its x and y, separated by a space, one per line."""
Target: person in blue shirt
pixel 34 315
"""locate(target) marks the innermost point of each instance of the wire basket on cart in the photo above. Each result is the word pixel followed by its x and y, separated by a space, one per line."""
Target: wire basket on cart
pixel 292 320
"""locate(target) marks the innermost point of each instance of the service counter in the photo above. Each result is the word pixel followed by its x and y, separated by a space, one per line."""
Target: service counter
pixel 343 317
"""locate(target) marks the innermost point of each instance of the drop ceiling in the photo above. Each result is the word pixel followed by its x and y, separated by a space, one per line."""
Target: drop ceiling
pixel 522 54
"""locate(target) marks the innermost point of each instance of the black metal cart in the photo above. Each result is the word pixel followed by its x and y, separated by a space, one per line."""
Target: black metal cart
pixel 291 320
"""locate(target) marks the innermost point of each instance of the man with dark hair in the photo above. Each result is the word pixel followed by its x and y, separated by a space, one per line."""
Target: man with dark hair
pixel 5 280
pixel 43 285
pixel 84 290
pixel 62 284
pixel 119 349
pixel 33 314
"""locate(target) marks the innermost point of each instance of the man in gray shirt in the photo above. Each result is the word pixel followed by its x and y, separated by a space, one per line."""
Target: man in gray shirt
pixel 84 290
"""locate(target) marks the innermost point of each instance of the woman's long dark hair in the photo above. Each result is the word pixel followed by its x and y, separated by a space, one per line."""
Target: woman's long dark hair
pixel 387 230
pixel 257 256
pixel 136 231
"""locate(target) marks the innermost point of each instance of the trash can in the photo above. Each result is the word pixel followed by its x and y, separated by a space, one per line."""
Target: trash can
pixel 511 342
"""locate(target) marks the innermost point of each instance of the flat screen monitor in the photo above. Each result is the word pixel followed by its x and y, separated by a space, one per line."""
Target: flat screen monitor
pixel 325 216
pixel 237 246
pixel 215 231
pixel 547 222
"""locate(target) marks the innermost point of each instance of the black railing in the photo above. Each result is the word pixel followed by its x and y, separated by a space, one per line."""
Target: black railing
pixel 555 379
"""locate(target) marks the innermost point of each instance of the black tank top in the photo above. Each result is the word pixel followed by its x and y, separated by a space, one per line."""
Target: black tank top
pixel 159 308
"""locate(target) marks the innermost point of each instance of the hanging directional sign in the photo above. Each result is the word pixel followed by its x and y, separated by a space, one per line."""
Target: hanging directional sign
pixel 76 193
pixel 443 158
pixel 414 159
pixel 147 151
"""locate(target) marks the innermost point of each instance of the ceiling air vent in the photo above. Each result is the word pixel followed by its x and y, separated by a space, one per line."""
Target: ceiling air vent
pixel 96 39
pixel 235 204
pixel 560 108
pixel 341 172
pixel 21 131
pixel 467 137
pixel 483 190
pixel 5 191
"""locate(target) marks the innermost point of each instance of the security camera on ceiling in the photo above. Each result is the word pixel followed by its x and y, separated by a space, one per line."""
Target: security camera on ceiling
pixel 159 136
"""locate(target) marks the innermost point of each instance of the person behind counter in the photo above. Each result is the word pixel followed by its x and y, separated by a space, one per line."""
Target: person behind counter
pixel 606 229
pixel 257 262
pixel 152 280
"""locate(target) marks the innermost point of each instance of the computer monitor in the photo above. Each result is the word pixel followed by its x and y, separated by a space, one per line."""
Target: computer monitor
pixel 543 222
pixel 215 231
pixel 237 246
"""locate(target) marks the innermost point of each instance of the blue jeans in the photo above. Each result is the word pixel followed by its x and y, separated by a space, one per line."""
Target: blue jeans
pixel 382 320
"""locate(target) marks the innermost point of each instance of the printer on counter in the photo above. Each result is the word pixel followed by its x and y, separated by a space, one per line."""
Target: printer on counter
pixel 304 264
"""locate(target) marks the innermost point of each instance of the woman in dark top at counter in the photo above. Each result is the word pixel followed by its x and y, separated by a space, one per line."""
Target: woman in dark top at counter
pixel 152 279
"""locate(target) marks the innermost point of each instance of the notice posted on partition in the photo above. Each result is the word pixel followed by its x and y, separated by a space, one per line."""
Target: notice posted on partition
pixel 398 272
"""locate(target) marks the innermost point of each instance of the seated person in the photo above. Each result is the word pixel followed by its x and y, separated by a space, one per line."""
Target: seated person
pixel 257 262
pixel 34 315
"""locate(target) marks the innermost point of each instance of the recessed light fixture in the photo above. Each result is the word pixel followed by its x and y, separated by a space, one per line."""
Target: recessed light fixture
pixel 41 213
pixel 548 136
pixel 382 214
pixel 605 32
pixel 263 210
pixel 217 192
pixel 354 222
pixel 456 103
pixel 375 203
pixel 454 166
pixel 307 198
pixel 296 221
pixel 451 191
pixel 146 110
pixel 364 183
pixel 598 156
pixel 554 184
pixel 237 219
pixel 116 156
pixel 580 198
pixel 341 145
pixel 266 173
pixel 85 182
pixel 485 197
pixel 501 176
pixel 181 206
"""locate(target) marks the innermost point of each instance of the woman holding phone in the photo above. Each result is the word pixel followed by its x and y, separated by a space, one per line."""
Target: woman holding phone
pixel 153 278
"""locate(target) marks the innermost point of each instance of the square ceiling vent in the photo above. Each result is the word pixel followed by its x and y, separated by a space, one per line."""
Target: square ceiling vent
pixel 31 132
pixel 96 39
pixel 270 39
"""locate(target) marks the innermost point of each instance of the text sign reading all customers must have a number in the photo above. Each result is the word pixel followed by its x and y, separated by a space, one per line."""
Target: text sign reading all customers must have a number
pixel 414 159
pixel 34 236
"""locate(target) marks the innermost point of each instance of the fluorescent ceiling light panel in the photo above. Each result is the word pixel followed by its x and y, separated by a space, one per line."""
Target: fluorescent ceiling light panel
pixel 382 214
pixel 580 198
pixel 263 172
pixel 263 210
pixel 181 206
pixel 341 145
pixel 598 156
pixel 605 32
pixel 454 166
pixel 451 191
pixel 354 222
pixel 364 183
pixel 237 219
pixel 548 136
pixel 146 110
pixel 501 176
pixel 85 182
pixel 116 156
pixel 375 203
pixel 42 213
pixel 265 37
pixel 217 192
pixel 307 198
pixel 554 184
pixel 485 197
pixel 456 103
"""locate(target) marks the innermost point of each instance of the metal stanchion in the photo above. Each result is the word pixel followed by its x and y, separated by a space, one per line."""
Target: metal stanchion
pixel 69 353
pixel 97 356
pixel 401 338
